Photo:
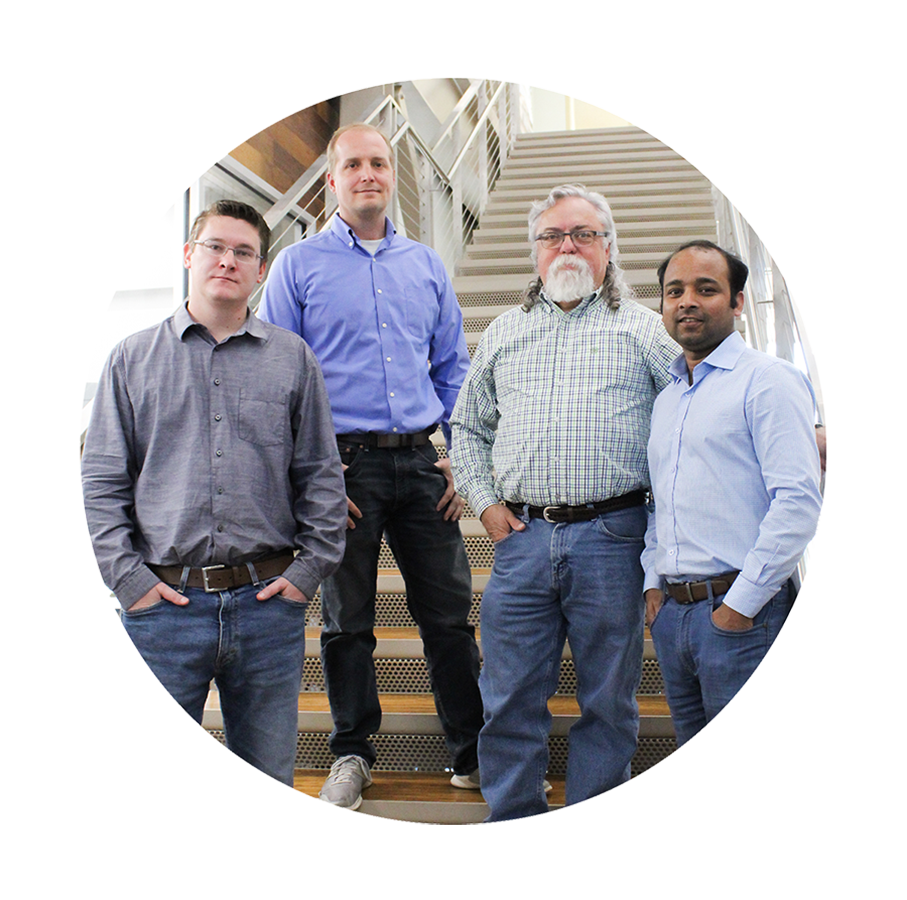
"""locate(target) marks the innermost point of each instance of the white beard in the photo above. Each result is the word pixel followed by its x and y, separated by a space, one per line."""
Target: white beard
pixel 569 278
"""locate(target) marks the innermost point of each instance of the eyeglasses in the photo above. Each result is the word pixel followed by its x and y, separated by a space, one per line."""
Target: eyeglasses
pixel 551 240
pixel 240 254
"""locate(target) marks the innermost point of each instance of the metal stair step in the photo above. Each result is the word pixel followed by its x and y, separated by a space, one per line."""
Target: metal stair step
pixel 638 213
pixel 415 714
pixel 419 796
pixel 678 190
pixel 405 642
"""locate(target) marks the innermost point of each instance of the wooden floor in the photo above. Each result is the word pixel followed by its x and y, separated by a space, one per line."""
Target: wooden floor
pixel 408 787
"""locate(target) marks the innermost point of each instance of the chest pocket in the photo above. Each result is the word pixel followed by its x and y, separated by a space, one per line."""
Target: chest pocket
pixel 263 420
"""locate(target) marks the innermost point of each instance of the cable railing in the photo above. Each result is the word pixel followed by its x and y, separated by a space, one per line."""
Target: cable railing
pixel 771 319
pixel 442 186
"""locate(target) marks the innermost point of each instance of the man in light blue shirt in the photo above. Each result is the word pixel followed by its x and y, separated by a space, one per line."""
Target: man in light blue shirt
pixel 381 315
pixel 735 480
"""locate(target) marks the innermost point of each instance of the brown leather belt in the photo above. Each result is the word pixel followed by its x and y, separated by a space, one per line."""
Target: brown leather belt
pixel 561 514
pixel 222 578
pixel 694 591
pixel 372 440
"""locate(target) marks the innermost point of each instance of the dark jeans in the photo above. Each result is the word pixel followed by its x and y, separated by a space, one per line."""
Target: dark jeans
pixel 397 491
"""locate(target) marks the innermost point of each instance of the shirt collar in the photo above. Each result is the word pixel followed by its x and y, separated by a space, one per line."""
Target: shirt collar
pixel 724 356
pixel 183 322
pixel 346 233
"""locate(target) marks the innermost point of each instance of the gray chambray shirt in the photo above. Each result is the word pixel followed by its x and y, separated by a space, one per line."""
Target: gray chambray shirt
pixel 199 453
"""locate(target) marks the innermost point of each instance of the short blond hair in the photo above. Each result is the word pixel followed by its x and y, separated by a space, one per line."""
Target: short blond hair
pixel 355 126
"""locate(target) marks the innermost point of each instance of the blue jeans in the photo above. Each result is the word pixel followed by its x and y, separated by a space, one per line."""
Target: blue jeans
pixel 254 651
pixel 582 582
pixel 397 491
pixel 704 666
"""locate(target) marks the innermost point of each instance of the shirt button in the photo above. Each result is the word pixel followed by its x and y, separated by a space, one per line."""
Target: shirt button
pixel 220 490
pixel 384 324
pixel 217 381
pixel 388 359
pixel 395 429
pixel 218 417
pixel 379 290
pixel 220 528
pixel 393 394
pixel 218 452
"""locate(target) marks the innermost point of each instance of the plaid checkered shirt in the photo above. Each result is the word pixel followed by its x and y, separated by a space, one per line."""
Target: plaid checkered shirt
pixel 556 407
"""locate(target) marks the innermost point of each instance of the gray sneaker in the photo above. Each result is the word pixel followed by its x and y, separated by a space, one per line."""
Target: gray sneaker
pixel 349 777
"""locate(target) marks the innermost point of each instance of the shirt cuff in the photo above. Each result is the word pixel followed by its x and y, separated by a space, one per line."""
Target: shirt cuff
pixel 480 500
pixel 302 578
pixel 747 598
pixel 135 586
pixel 653 582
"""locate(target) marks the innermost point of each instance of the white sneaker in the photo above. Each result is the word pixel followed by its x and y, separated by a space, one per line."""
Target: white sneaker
pixel 349 777
pixel 472 782
pixel 468 782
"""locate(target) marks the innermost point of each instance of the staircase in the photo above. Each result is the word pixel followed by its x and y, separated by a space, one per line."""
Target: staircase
pixel 659 201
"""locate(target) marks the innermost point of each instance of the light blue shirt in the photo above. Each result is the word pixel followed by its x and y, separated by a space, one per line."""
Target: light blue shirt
pixel 387 329
pixel 735 474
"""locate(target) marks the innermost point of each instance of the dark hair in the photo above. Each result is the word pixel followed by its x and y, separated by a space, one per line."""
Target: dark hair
pixel 235 209
pixel 736 267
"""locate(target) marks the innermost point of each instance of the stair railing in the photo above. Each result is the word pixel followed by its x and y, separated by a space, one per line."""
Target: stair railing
pixel 771 320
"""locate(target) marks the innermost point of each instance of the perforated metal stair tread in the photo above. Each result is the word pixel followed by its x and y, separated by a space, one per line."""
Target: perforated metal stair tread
pixel 416 714
pixel 407 642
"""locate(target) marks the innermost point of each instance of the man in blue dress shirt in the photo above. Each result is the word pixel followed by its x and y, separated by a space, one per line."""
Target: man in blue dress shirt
pixel 735 479
pixel 381 315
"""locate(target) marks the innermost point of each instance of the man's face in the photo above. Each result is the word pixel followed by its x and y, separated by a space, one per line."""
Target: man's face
pixel 363 178
pixel 572 214
pixel 224 279
pixel 696 308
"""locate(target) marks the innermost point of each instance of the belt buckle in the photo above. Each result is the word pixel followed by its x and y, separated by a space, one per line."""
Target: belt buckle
pixel 546 517
pixel 207 588
pixel 688 585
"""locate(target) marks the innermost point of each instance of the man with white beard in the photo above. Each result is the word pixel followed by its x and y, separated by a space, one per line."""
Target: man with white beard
pixel 549 445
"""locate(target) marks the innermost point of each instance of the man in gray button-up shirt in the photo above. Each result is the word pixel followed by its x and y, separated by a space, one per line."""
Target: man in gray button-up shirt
pixel 214 493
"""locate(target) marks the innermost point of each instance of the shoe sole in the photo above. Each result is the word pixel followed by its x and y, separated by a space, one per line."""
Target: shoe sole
pixel 355 805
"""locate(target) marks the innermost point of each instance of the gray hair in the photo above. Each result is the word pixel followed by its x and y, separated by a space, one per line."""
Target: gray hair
pixel 614 288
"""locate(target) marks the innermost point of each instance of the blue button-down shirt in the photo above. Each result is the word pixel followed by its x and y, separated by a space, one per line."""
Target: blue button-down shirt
pixel 387 329
pixel 735 474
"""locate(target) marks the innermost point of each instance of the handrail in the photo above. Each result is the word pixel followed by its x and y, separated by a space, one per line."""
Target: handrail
pixel 475 131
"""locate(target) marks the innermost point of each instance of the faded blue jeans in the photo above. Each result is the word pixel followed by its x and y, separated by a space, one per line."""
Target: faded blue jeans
pixel 252 649
pixel 583 582
pixel 704 666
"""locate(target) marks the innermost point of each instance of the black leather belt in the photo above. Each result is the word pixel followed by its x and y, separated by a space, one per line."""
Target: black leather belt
pixel 372 440
pixel 694 591
pixel 561 514
pixel 222 578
